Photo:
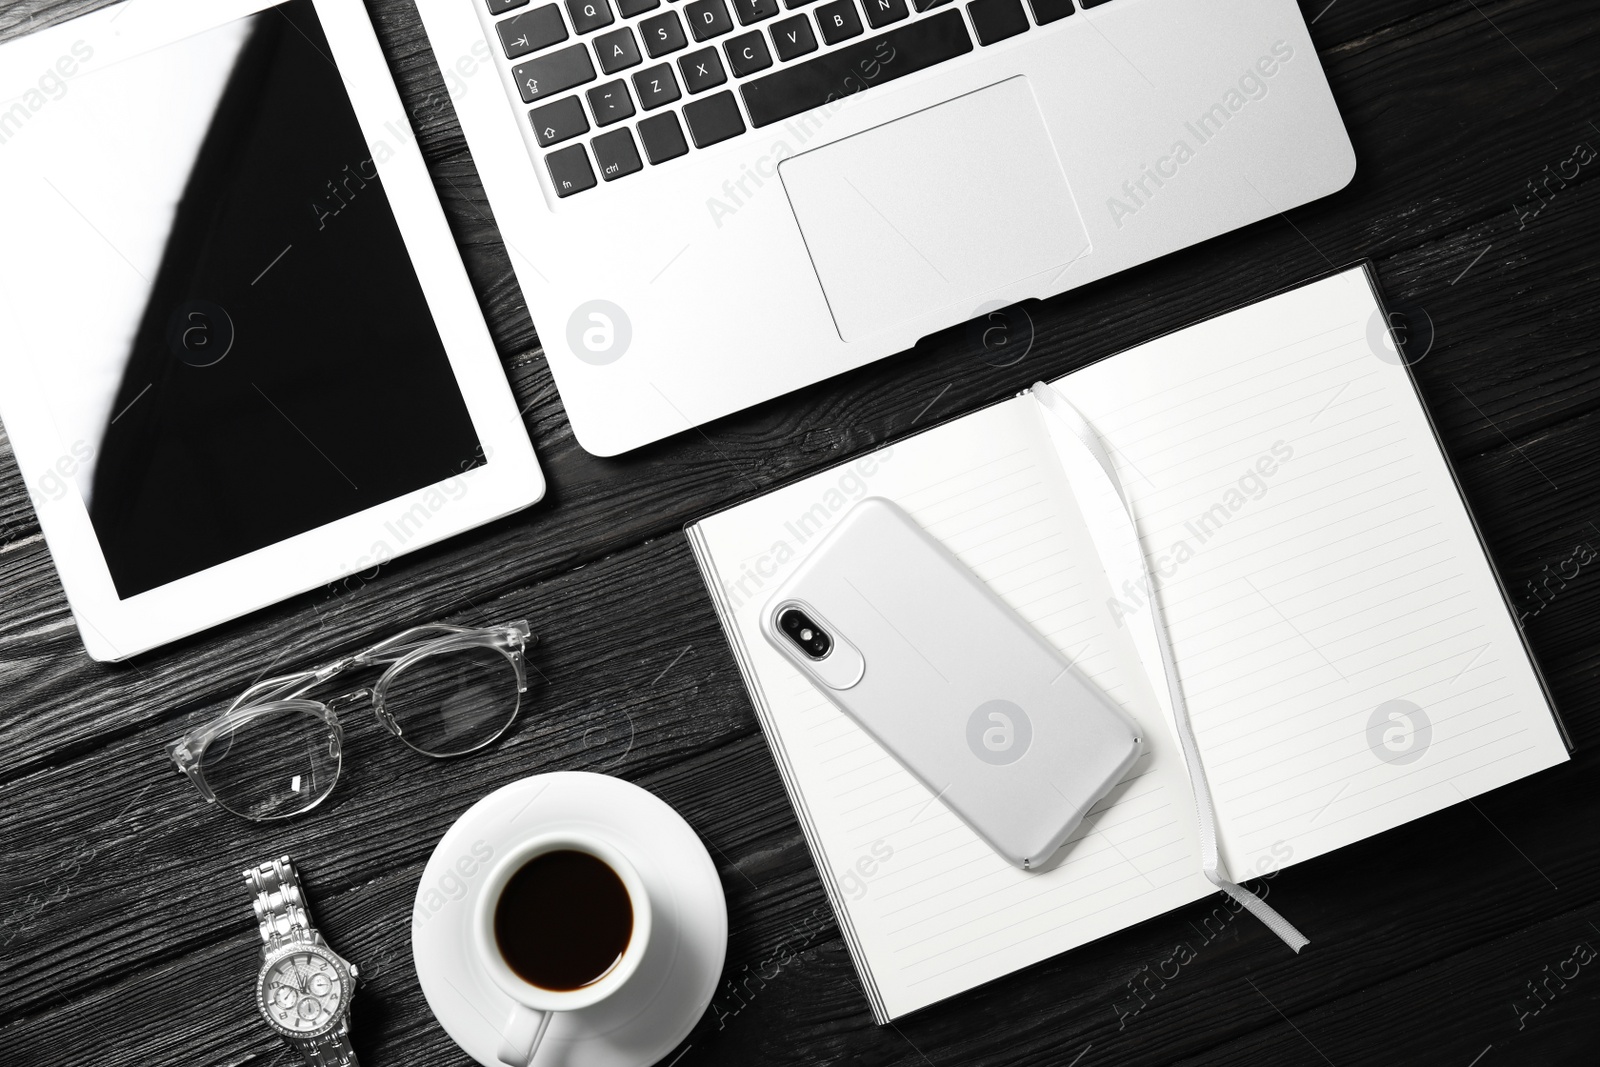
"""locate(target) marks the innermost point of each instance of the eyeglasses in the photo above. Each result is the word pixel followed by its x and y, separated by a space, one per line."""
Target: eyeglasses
pixel 274 753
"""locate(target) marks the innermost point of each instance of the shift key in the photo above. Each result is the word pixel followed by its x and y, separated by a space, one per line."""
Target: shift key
pixel 553 73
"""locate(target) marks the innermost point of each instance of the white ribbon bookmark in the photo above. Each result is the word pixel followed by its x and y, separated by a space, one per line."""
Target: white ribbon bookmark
pixel 1125 545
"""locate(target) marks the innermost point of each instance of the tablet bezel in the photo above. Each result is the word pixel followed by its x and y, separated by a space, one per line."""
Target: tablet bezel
pixel 114 628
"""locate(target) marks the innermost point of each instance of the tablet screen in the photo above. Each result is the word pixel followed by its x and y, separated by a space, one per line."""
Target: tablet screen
pixel 238 350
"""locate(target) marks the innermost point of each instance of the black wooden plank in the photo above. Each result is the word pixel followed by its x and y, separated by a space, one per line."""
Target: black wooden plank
pixel 132 895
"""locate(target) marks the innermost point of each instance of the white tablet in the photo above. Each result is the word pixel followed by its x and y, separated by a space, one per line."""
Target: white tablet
pixel 239 356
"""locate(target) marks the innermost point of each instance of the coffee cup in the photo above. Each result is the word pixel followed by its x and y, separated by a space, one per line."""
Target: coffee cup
pixel 562 923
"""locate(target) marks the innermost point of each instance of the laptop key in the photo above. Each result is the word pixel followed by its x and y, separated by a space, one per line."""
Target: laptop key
pixel 500 7
pixel 629 8
pixel 929 5
pixel 531 31
pixel 996 20
pixel 663 34
pixel 610 102
pixel 1048 11
pixel 754 11
pixel 713 119
pixel 881 13
pixel 615 155
pixel 748 53
pixel 557 122
pixel 914 46
pixel 656 86
pixel 617 50
pixel 708 19
pixel 662 138
pixel 702 70
pixel 793 37
pixel 552 73
pixel 569 170
pixel 590 15
pixel 839 21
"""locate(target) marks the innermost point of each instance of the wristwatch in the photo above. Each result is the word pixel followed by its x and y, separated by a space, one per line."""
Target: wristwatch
pixel 304 987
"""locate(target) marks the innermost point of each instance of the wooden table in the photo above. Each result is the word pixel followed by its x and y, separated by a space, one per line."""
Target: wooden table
pixel 125 932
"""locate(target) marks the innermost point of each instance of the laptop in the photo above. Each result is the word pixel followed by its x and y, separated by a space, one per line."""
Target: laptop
pixel 709 203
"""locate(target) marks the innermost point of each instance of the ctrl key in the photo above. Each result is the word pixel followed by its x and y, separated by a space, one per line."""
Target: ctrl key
pixel 570 171
pixel 615 154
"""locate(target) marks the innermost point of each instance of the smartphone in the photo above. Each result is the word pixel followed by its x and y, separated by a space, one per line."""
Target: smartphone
pixel 954 684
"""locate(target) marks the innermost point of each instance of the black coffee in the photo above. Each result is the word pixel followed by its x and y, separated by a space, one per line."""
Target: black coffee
pixel 563 920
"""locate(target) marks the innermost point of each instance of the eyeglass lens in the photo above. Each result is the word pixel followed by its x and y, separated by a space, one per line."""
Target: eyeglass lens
pixel 450 703
pixel 279 762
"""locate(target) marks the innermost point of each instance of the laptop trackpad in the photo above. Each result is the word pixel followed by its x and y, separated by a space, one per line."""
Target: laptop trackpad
pixel 934 209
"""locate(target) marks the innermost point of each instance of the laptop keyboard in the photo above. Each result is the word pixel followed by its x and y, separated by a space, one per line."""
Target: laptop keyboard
pixel 612 85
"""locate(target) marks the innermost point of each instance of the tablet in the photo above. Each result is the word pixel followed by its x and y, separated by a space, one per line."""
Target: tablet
pixel 239 355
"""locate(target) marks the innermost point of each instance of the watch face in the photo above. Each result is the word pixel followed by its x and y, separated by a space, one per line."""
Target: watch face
pixel 303 991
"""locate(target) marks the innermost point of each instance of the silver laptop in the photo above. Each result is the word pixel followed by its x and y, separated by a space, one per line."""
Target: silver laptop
pixel 709 203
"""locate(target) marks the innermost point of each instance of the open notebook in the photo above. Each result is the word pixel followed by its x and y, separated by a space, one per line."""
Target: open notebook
pixel 1348 658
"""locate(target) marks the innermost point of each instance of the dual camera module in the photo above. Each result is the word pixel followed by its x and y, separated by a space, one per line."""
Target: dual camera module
pixel 801 629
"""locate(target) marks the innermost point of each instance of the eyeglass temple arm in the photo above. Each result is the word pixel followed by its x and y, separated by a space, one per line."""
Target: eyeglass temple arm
pixel 515 634
pixel 289 686
pixel 389 650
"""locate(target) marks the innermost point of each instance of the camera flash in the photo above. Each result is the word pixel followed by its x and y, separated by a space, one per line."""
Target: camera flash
pixel 806 634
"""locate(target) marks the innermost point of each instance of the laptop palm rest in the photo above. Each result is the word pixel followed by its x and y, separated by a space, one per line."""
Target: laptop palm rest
pixel 934 209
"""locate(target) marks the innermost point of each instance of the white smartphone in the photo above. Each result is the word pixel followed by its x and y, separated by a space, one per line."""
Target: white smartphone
pixel 953 683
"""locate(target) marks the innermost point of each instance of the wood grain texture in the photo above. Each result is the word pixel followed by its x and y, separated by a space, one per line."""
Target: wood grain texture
pixel 124 936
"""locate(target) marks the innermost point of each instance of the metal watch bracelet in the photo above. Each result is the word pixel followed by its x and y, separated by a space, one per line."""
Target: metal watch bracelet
pixel 281 917
pixel 279 904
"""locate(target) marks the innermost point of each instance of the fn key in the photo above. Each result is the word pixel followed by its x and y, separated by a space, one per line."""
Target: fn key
pixel 570 171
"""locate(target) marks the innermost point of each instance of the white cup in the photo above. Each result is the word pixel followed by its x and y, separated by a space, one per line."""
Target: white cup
pixel 534 1006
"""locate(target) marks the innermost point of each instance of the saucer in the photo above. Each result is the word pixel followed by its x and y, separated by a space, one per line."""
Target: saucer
pixel 682 964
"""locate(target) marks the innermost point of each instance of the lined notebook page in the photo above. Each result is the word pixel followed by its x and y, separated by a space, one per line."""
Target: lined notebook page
pixel 1347 658
pixel 928 908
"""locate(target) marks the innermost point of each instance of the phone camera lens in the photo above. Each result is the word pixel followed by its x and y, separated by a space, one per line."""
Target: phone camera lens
pixel 805 633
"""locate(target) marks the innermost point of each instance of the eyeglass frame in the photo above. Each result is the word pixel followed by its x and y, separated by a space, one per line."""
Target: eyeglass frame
pixel 287 692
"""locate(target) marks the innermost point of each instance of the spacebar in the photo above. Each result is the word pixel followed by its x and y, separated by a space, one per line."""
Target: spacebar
pixel 873 61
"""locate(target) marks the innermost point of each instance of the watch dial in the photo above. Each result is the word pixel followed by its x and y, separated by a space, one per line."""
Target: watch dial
pixel 303 992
